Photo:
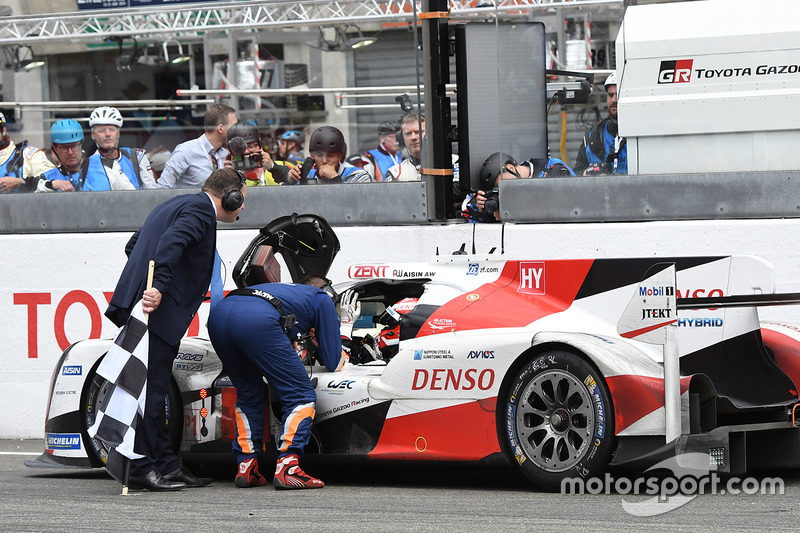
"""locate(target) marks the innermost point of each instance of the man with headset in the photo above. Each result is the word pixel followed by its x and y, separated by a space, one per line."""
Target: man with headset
pixel 252 331
pixel 180 236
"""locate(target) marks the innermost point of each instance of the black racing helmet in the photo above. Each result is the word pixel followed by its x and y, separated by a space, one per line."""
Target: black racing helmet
pixel 327 139
pixel 245 130
pixel 388 128
pixel 492 167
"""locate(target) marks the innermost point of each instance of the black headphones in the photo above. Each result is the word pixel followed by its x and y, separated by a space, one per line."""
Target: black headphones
pixel 233 199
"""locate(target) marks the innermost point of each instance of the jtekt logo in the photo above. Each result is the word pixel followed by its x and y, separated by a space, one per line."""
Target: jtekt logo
pixel 677 71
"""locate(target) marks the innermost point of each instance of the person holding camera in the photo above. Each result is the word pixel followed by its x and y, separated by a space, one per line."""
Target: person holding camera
pixel 254 332
pixel 248 157
pixel 484 205
pixel 603 151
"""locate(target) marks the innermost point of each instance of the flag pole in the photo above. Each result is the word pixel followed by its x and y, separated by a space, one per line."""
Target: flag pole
pixel 127 468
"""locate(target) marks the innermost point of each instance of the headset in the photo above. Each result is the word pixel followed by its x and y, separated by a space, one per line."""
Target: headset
pixel 233 199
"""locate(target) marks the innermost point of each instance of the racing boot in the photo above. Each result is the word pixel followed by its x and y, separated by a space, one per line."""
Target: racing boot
pixel 248 475
pixel 289 475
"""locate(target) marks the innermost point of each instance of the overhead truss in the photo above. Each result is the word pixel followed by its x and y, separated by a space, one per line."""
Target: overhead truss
pixel 191 21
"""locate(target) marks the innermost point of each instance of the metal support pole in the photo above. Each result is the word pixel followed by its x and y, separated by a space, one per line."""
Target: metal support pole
pixel 437 164
pixel 672 384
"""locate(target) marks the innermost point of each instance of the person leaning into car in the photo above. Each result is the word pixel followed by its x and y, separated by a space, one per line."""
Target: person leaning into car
pixel 180 236
pixel 253 335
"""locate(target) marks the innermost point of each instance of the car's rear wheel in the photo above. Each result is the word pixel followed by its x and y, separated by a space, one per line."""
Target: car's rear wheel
pixel 96 391
pixel 559 419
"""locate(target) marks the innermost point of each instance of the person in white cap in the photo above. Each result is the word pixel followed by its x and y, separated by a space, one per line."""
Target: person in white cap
pixel 113 167
pixel 603 151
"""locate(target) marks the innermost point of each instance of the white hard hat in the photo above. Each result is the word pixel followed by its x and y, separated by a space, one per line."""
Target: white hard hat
pixel 611 79
pixel 106 115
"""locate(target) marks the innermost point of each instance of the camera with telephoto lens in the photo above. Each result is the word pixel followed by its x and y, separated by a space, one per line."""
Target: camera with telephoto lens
pixel 598 168
pixel 246 161
pixel 492 201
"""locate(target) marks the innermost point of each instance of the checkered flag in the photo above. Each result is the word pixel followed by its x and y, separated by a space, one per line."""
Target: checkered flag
pixel 125 368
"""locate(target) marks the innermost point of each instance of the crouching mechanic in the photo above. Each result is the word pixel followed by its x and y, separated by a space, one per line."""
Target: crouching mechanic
pixel 252 331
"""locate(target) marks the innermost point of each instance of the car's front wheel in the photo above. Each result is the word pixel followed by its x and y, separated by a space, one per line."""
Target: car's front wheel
pixel 558 419
pixel 96 390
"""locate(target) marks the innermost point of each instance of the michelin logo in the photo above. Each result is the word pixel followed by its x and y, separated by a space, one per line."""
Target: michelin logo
pixel 63 441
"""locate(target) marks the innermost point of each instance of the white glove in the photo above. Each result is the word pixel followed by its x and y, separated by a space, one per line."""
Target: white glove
pixel 349 311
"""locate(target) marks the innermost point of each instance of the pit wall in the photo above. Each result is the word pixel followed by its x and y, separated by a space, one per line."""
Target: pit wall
pixel 55 287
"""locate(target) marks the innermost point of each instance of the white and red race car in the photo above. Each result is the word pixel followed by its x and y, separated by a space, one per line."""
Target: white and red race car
pixel 486 357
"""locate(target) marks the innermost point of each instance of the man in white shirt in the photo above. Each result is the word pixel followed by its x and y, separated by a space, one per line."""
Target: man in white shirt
pixel 193 161
pixel 113 167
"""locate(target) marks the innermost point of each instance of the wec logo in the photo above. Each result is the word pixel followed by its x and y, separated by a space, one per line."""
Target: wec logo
pixel 677 71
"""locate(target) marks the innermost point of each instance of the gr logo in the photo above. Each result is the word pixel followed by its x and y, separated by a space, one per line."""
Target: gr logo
pixel 531 277
pixel 677 71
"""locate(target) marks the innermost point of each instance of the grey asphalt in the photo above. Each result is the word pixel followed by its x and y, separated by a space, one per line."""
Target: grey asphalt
pixel 373 497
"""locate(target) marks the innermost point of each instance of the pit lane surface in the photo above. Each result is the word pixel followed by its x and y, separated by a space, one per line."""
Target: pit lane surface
pixel 375 497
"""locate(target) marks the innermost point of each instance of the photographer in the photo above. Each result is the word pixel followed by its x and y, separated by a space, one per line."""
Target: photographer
pixel 252 331
pixel 603 151
pixel 484 205
pixel 248 157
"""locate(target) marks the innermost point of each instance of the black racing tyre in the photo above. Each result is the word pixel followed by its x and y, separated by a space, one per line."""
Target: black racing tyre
pixel 97 388
pixel 558 420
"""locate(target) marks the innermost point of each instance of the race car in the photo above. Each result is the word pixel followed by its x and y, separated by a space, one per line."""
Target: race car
pixel 547 364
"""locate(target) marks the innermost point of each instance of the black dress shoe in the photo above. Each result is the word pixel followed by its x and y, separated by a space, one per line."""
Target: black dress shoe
pixel 183 475
pixel 154 481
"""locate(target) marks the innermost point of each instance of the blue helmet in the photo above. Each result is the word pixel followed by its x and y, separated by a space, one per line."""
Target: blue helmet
pixel 294 135
pixel 66 131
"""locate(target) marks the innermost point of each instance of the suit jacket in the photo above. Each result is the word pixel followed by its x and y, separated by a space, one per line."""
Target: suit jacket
pixel 180 235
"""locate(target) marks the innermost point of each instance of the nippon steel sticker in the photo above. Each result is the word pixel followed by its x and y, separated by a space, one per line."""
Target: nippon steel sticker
pixel 432 354
pixel 63 441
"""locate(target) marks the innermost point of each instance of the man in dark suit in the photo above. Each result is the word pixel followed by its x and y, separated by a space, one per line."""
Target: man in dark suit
pixel 180 236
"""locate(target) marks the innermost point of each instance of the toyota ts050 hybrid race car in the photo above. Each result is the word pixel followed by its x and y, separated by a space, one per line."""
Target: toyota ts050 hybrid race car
pixel 480 358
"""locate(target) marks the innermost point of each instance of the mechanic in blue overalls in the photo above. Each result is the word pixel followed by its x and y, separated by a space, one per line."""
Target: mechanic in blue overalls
pixel 112 167
pixel 252 330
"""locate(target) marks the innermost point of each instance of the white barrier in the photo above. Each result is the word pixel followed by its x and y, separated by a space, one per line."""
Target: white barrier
pixel 54 288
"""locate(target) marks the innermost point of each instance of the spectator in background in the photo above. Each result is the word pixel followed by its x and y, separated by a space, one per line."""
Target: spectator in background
pixel 484 205
pixel 327 149
pixel 193 161
pixel 603 151
pixel 290 147
pixel 409 168
pixel 21 164
pixel 66 136
pixel 111 167
pixel 386 155
pixel 244 143
pixel 157 162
